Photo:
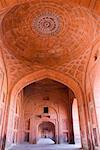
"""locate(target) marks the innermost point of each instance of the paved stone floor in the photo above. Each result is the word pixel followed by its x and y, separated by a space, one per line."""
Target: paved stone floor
pixel 45 141
pixel 44 147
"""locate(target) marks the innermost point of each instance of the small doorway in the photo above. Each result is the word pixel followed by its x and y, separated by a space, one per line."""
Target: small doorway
pixel 26 137
pixel 46 133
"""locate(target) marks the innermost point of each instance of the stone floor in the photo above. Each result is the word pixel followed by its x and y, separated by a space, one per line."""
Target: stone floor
pixel 44 147
pixel 45 141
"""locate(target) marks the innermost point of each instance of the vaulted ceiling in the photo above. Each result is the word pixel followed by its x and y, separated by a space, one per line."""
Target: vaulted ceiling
pixel 92 4
pixel 55 34
pixel 48 32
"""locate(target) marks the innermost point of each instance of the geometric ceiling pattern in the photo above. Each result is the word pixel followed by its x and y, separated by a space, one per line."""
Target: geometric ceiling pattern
pixel 51 34
pixel 48 32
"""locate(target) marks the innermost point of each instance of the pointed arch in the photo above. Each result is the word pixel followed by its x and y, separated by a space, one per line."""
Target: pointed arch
pixel 56 76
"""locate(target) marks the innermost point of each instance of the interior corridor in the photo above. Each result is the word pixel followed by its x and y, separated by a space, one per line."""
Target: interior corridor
pixel 49 74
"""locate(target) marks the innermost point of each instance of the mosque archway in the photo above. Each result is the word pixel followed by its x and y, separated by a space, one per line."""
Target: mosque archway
pixel 58 77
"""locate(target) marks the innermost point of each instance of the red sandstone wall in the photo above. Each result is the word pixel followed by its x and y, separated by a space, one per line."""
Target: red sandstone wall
pixel 96 92
pixel 57 104
pixel 76 124
pixel 3 101
pixel 15 121
pixel 92 85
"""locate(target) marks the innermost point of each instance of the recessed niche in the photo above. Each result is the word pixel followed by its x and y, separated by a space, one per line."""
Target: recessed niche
pixel 46 110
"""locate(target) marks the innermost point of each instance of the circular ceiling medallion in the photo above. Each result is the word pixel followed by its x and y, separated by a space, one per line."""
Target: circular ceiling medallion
pixel 50 32
pixel 47 23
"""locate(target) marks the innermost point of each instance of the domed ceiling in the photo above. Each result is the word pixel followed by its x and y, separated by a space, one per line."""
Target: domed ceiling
pixel 91 4
pixel 48 32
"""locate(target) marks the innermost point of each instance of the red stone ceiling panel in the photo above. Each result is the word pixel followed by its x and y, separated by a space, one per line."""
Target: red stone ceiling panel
pixel 97 7
pixel 48 32
pixel 87 3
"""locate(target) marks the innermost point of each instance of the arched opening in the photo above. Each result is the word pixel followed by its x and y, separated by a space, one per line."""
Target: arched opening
pixel 76 125
pixel 46 133
pixel 48 101
pixel 34 113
